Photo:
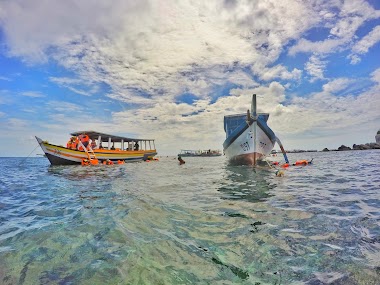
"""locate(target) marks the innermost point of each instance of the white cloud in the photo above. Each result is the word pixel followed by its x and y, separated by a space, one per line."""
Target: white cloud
pixel 376 76
pixel 33 94
pixel 320 47
pixel 363 45
pixel 75 85
pixel 15 123
pixel 150 52
pixel 61 106
pixel 146 45
pixel 315 67
pixel 337 85
pixel 351 16
pixel 328 120
pixel 279 72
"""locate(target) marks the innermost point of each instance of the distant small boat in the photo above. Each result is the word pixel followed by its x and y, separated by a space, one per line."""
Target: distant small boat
pixel 107 147
pixel 199 153
pixel 248 137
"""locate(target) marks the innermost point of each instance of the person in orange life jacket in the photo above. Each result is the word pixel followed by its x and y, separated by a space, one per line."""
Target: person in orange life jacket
pixel 85 140
pixel 75 143
pixel 71 143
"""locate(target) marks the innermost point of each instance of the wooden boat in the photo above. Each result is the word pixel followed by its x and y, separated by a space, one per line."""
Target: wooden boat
pixel 199 153
pixel 248 137
pixel 107 147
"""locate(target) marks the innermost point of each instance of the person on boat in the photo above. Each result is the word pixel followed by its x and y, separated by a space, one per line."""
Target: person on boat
pixel 181 161
pixel 93 144
pixel 113 146
pixel 74 144
pixel 71 143
pixel 85 140
pixel 100 145
pixel 137 146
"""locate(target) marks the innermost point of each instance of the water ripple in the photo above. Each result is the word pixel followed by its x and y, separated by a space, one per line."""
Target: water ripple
pixel 204 222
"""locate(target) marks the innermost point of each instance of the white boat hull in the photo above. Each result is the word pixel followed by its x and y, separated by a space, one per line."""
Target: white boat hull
pixel 243 150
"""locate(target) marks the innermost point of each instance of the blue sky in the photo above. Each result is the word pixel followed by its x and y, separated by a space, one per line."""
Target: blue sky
pixel 170 70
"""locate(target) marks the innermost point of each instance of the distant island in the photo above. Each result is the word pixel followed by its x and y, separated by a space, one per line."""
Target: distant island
pixel 356 147
pixel 374 145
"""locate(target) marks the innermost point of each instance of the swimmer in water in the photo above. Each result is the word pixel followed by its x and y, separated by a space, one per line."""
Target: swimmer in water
pixel 181 161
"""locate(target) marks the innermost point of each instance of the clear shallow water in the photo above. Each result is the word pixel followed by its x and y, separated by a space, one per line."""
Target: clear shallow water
pixel 200 223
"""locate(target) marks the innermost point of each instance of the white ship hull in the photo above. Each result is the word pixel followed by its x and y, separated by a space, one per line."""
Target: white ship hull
pixel 242 149
pixel 248 137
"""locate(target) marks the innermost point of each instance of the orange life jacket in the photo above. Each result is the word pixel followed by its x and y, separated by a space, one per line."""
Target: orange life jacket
pixel 85 138
pixel 301 162
pixel 74 144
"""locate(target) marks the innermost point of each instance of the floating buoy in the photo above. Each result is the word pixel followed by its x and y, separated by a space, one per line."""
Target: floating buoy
pixel 285 165
pixel 275 163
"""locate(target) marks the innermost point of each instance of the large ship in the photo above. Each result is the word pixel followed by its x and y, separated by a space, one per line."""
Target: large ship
pixel 248 137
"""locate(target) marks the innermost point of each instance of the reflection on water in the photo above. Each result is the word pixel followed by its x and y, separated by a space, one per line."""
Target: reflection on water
pixel 203 222
pixel 247 183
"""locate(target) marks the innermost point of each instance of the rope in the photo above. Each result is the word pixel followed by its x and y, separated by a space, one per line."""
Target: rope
pixel 29 154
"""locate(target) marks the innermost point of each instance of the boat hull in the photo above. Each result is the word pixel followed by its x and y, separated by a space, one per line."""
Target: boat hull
pixel 240 148
pixel 59 155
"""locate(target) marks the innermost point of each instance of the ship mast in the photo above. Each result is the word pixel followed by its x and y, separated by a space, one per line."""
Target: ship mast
pixel 254 116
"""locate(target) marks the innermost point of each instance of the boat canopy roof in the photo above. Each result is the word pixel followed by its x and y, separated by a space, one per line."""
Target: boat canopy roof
pixel 104 137
pixel 231 122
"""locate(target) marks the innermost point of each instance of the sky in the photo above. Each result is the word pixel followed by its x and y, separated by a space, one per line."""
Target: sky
pixel 171 70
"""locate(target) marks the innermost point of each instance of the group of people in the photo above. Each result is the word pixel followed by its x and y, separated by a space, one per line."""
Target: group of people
pixel 87 162
pixel 85 140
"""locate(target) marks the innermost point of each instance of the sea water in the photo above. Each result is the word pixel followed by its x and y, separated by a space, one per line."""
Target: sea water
pixel 204 222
